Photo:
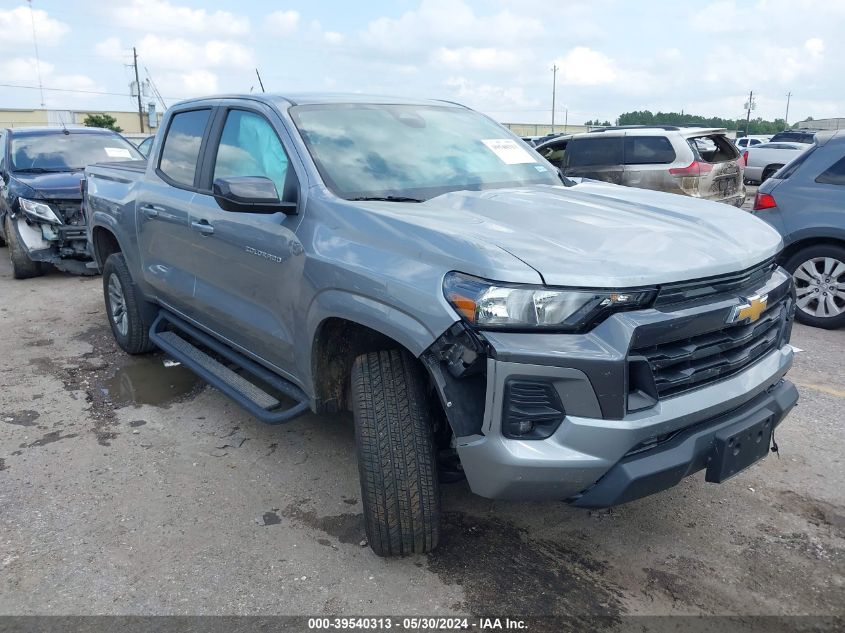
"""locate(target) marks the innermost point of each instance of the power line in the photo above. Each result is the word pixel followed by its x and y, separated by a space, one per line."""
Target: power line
pixel 80 91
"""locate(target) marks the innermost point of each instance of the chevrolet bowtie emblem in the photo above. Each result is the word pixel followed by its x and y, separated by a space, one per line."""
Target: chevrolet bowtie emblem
pixel 750 310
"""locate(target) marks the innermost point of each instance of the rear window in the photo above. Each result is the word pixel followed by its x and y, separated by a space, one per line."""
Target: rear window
pixel 648 150
pixel 589 152
pixel 182 146
pixel 833 175
pixel 713 148
pixel 795 137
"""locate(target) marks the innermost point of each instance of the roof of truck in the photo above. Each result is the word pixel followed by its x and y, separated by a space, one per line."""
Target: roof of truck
pixel 315 98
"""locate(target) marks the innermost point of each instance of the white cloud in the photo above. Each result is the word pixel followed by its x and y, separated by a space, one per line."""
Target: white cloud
pixel 168 53
pixel 448 23
pixel 282 22
pixel 16 27
pixel 23 70
pixel 583 66
pixel 477 58
pixel 160 15
pixel 333 37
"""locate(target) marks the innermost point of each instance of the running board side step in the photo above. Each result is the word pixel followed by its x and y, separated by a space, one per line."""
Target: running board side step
pixel 250 396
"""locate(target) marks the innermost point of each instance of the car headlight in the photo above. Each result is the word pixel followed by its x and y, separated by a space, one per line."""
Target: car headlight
pixel 38 211
pixel 500 306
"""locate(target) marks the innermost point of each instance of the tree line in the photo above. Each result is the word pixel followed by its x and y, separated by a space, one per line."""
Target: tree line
pixel 646 117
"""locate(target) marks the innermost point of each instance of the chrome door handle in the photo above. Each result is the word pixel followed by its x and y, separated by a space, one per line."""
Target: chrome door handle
pixel 150 211
pixel 203 227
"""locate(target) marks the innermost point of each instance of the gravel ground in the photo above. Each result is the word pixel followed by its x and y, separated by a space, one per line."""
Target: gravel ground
pixel 128 488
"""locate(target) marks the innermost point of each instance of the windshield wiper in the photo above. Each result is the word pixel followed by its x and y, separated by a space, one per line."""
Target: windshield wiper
pixel 387 199
pixel 43 170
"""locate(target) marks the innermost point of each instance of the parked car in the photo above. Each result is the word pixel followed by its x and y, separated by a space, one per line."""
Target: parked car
pixel 415 263
pixel 805 201
pixel 697 162
pixel 764 160
pixel 146 145
pixel 41 218
pixel 751 141
pixel 805 136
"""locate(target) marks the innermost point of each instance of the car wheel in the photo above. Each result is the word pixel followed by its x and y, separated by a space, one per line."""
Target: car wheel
pixel 22 266
pixel 396 457
pixel 127 312
pixel 769 171
pixel 819 274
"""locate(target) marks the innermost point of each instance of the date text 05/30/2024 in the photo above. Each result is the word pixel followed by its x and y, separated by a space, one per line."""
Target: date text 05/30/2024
pixel 417 624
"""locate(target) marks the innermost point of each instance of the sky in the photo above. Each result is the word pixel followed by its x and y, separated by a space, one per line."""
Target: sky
pixel 496 56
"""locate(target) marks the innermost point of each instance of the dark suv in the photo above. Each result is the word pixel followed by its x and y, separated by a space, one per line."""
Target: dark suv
pixel 40 200
pixel 805 201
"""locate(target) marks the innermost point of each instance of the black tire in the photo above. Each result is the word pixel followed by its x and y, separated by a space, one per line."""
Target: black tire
pixel 798 266
pixel 769 171
pixel 396 458
pixel 22 266
pixel 133 335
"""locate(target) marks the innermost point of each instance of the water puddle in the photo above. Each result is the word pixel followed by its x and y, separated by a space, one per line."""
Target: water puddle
pixel 147 381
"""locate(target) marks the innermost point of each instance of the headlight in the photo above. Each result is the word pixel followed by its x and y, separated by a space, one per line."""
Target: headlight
pixel 38 211
pixel 499 306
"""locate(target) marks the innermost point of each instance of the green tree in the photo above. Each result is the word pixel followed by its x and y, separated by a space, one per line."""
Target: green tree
pixel 646 117
pixel 102 120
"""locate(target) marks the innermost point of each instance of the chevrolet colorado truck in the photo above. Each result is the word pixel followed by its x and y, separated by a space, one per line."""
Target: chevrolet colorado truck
pixel 478 313
pixel 41 216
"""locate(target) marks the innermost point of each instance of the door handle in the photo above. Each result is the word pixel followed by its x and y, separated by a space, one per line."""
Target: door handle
pixel 151 211
pixel 203 227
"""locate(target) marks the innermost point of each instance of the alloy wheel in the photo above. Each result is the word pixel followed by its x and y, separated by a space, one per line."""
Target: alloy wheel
pixel 820 287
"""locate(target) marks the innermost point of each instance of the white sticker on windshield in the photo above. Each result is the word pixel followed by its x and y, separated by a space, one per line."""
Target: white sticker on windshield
pixel 117 152
pixel 508 151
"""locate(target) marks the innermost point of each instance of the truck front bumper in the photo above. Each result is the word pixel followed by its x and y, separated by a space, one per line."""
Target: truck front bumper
pixel 595 462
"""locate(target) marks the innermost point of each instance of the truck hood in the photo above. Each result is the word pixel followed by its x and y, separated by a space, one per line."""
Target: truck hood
pixel 601 235
pixel 57 185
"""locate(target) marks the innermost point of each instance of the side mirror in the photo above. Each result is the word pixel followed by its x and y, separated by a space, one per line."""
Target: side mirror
pixel 250 194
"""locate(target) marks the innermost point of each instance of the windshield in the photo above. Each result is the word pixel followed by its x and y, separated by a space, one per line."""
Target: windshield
pixel 68 152
pixel 414 151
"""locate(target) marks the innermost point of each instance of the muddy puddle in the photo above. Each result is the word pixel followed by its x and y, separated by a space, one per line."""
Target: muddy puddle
pixel 146 380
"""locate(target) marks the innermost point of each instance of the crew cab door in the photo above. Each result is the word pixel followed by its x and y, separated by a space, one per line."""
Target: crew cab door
pixel 163 209
pixel 248 265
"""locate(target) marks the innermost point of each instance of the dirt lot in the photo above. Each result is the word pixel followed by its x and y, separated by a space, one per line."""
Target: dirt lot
pixel 128 488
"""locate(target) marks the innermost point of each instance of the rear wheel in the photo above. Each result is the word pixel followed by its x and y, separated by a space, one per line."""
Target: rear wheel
pixel 819 274
pixel 22 266
pixel 769 171
pixel 127 311
pixel 396 458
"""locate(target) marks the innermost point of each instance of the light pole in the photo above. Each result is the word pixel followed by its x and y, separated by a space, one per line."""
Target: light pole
pixel 554 90
pixel 786 118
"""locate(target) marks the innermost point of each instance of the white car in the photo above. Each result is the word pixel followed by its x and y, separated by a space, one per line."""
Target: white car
pixel 761 161
pixel 753 140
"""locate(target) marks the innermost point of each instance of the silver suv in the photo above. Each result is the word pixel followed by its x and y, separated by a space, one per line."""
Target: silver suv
pixel 697 162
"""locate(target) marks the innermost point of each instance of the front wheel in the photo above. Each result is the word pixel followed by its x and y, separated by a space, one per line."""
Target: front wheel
pixel 396 458
pixel 126 310
pixel 819 274
pixel 22 266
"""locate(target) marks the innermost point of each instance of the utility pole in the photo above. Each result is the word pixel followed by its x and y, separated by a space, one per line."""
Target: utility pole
pixel 260 83
pixel 749 106
pixel 138 86
pixel 565 119
pixel 786 118
pixel 554 90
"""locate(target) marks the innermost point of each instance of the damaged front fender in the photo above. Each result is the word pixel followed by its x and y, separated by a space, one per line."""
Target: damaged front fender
pixel 457 363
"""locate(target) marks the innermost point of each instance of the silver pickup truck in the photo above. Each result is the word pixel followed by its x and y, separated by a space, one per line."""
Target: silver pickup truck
pixel 479 314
